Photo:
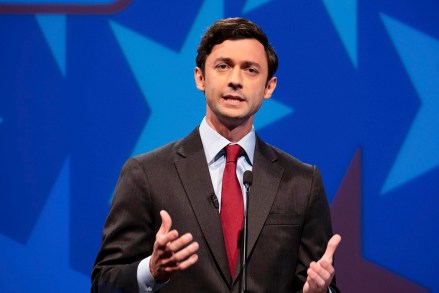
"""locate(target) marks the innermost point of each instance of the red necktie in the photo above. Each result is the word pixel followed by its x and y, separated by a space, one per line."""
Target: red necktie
pixel 232 206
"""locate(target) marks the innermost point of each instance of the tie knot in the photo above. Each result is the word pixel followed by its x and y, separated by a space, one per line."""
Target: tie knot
pixel 232 152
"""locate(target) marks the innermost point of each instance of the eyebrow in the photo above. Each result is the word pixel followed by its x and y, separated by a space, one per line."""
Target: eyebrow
pixel 244 64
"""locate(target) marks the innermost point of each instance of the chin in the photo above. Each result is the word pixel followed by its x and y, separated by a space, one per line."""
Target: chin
pixel 235 120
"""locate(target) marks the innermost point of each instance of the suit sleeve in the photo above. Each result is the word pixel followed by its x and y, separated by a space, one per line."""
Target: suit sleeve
pixel 128 234
pixel 317 231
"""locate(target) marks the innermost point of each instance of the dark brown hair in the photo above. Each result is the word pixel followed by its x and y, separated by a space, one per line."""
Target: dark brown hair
pixel 235 29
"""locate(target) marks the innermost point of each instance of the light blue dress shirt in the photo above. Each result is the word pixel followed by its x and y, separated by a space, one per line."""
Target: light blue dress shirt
pixel 213 145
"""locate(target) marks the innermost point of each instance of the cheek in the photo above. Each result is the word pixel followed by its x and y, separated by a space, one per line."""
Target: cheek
pixel 258 95
pixel 210 94
pixel 209 91
pixel 209 85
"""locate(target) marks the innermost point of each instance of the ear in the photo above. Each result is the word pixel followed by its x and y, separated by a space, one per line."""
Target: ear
pixel 269 89
pixel 199 79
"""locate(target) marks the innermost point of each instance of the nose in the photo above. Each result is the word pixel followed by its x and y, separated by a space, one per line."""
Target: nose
pixel 235 79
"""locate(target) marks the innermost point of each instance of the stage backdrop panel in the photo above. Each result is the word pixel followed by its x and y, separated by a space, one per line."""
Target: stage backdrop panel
pixel 86 84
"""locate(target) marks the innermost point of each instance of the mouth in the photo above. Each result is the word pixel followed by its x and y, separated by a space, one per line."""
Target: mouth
pixel 233 98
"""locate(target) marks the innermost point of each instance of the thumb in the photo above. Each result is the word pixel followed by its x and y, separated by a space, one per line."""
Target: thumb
pixel 166 222
pixel 330 249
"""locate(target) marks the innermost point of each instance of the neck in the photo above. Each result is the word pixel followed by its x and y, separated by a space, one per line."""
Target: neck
pixel 234 132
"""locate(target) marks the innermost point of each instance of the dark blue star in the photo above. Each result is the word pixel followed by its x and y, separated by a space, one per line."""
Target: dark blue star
pixel 43 262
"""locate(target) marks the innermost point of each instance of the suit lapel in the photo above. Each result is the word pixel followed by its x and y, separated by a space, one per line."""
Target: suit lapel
pixel 266 179
pixel 192 168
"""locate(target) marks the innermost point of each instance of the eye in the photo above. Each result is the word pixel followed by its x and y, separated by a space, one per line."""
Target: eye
pixel 252 70
pixel 222 66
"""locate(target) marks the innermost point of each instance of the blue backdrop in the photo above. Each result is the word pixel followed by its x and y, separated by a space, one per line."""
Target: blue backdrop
pixel 85 84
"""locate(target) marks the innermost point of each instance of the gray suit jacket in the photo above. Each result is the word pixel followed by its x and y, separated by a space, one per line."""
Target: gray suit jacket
pixel 289 221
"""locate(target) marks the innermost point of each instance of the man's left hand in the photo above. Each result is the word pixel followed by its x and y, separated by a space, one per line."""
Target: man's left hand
pixel 320 273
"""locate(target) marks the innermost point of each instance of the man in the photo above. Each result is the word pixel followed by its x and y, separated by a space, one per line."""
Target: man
pixel 190 181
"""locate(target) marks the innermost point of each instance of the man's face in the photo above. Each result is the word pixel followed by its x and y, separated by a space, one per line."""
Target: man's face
pixel 235 82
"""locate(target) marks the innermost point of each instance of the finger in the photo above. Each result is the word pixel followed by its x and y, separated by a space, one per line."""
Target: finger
pixel 321 271
pixel 314 280
pixel 177 250
pixel 186 252
pixel 167 247
pixel 180 258
pixel 188 262
pixel 183 265
pixel 164 240
pixel 181 242
pixel 306 287
pixel 326 266
pixel 330 249
pixel 166 223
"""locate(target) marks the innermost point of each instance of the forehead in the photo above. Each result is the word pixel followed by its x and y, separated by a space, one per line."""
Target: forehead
pixel 244 50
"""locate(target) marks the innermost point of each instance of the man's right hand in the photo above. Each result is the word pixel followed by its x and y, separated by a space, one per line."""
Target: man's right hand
pixel 171 253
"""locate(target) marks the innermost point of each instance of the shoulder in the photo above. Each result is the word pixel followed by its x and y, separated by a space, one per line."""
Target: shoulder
pixel 285 160
pixel 160 154
pixel 166 155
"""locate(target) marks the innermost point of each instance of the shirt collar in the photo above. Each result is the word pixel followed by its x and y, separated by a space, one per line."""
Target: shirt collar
pixel 214 143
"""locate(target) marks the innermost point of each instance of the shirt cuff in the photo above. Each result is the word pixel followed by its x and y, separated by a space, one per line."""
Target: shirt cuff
pixel 145 279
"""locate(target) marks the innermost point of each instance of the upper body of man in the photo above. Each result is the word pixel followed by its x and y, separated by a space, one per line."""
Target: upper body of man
pixel 290 248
